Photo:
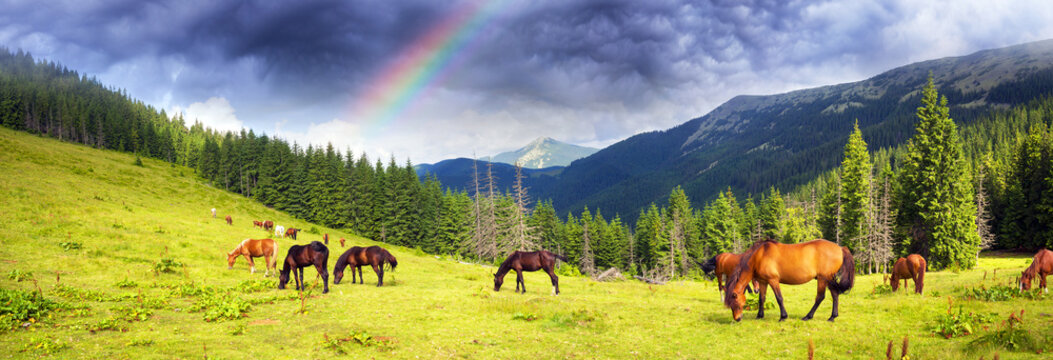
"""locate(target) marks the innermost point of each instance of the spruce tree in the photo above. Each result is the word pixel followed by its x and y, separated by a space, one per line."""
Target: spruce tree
pixel 937 212
pixel 855 190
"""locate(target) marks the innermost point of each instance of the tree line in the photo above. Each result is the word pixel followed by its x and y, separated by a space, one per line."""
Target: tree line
pixel 946 194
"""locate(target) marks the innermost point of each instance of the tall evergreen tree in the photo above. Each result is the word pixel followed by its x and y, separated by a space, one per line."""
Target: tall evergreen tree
pixel 855 190
pixel 937 211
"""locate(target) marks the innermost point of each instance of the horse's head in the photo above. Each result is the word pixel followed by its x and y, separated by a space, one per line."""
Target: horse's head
pixel 1025 281
pixel 231 257
pixel 338 274
pixel 283 278
pixel 736 300
pixel 498 281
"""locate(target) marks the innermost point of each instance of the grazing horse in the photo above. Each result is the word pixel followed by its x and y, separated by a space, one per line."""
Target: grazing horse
pixel 279 231
pixel 250 248
pixel 912 267
pixel 229 220
pixel 341 242
pixel 301 256
pixel 773 263
pixel 213 213
pixel 528 261
pixel 268 225
pixel 1041 266
pixel 721 266
pixel 357 256
pixel 326 238
pixel 292 233
pixel 257 224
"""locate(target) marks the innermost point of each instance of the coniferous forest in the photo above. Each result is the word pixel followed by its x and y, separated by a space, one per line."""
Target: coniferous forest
pixel 947 194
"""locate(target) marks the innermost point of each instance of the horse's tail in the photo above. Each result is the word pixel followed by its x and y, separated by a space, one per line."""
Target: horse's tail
pixel 274 254
pixel 558 256
pixel 847 274
pixel 390 259
pixel 709 266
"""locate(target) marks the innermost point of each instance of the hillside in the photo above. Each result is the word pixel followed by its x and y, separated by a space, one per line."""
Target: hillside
pixel 457 174
pixel 126 218
pixel 753 142
pixel 544 152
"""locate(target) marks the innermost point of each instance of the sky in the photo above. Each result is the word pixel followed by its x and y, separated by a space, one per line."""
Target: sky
pixel 427 80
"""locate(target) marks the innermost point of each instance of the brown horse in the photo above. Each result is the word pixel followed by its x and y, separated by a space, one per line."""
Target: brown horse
pixel 357 256
pixel 528 261
pixel 291 232
pixel 268 225
pixel 326 238
pixel 721 266
pixel 341 242
pixel 773 263
pixel 257 224
pixel 1041 266
pixel 229 220
pixel 250 248
pixel 301 256
pixel 912 267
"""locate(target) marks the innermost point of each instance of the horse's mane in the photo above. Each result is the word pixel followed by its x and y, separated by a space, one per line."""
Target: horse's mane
pixel 341 262
pixel 240 245
pixel 507 264
pixel 744 265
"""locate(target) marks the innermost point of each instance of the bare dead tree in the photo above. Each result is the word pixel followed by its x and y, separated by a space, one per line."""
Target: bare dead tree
pixel 983 214
pixel 588 262
pixel 483 240
pixel 522 235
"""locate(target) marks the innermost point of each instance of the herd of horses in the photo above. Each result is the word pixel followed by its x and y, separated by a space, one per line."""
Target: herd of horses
pixel 765 264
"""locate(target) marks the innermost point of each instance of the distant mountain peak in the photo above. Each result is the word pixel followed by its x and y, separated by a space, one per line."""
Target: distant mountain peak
pixel 544 152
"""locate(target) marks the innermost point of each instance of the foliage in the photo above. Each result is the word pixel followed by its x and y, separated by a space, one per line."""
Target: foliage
pixel 855 189
pixel 17 306
pixel 70 245
pixel 525 316
pixel 44 345
pixel 753 300
pixel 880 289
pixel 126 284
pixel 951 324
pixel 576 318
pixel 167 265
pixel 999 293
pixel 360 338
pixel 256 285
pixel 19 275
pixel 110 323
pixel 133 313
pixel 221 306
pixel 1010 336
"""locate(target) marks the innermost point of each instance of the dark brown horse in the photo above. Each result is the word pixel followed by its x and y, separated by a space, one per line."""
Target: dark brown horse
pixel 912 267
pixel 250 248
pixel 528 261
pixel 229 220
pixel 357 256
pixel 268 225
pixel 326 238
pixel 721 266
pixel 773 263
pixel 291 232
pixel 1041 266
pixel 301 256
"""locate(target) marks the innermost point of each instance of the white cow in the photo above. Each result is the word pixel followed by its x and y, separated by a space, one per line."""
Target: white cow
pixel 279 231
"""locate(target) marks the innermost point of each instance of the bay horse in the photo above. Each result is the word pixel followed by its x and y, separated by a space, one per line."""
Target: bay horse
pixel 279 231
pixel 301 256
pixel 773 263
pixel 268 225
pixel 521 261
pixel 1041 266
pixel 912 267
pixel 229 220
pixel 291 233
pixel 358 256
pixel 341 242
pixel 250 248
pixel 257 224
pixel 721 266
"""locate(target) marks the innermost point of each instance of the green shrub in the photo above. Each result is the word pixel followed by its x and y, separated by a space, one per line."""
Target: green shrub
pixel 221 306
pixel 1010 336
pixel 879 290
pixel 752 300
pixel 70 245
pixel 256 285
pixel 958 324
pixel 44 345
pixel 19 275
pixel 525 317
pixel 167 265
pixel 126 284
pixel 110 323
pixel 579 318
pixel 568 270
pixel 17 306
pixel 133 313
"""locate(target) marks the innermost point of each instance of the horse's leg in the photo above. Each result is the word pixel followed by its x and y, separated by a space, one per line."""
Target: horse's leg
pixel 303 280
pixel 380 273
pixel 833 296
pixel 361 279
pixel 325 277
pixel 252 264
pixel 1042 283
pixel 519 279
pixel 775 289
pixel 821 293
pixel 763 293
pixel 555 279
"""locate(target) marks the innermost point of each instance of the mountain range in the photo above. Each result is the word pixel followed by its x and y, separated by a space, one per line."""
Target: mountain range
pixel 544 152
pixel 751 143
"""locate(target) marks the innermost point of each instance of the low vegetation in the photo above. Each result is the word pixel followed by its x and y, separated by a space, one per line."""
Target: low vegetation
pixel 109 300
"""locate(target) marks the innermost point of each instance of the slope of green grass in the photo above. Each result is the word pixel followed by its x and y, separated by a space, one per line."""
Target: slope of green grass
pixel 126 219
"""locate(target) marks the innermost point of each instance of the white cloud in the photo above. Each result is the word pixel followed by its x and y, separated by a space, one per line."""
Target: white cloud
pixel 215 113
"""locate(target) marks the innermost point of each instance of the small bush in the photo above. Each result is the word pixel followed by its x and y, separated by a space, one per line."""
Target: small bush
pixel 126 284
pixel 361 338
pixel 525 317
pixel 141 342
pixel 752 300
pixel 958 324
pixel 45 345
pixel 221 306
pixel 70 245
pixel 19 275
pixel 257 285
pixel 72 293
pixel 138 161
pixel 879 290
pixel 17 306
pixel 110 323
pixel 1010 336
pixel 568 270
pixel 133 313
pixel 167 265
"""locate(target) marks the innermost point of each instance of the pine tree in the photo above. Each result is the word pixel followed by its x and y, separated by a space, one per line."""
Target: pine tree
pixel 937 209
pixel 771 213
pixel 855 190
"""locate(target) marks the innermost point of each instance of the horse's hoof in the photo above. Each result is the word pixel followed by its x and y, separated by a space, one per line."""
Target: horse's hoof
pixel 760 316
pixel 783 318
pixel 806 318
pixel 831 319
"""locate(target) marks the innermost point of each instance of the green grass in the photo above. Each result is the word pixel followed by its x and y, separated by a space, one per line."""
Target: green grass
pixel 92 230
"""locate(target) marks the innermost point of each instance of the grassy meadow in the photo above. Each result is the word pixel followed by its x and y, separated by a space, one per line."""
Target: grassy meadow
pixel 139 265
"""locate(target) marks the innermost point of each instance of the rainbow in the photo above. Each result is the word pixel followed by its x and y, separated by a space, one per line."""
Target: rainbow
pixel 421 64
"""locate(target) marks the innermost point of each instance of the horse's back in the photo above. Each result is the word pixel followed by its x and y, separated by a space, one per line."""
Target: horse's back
pixel 800 263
